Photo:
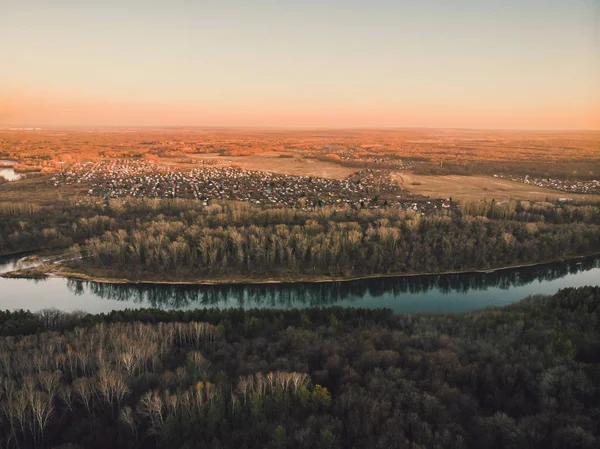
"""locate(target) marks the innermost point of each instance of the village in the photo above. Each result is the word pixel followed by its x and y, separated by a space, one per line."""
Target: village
pixel 148 179
pixel 589 187
pixel 364 157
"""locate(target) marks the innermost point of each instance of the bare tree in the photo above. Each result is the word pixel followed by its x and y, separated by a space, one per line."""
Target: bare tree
pixel 171 402
pixel 83 359
pixel 65 393
pixel 111 386
pixel 299 380
pixel 84 389
pixel 42 409
pixel 119 389
pixel 199 363
pixel 19 412
pixel 40 361
pixel 71 356
pixel 51 318
pixel 150 406
pixel 234 402
pixel 128 362
pixel 127 418
pixel 181 374
pixel 245 387
pixel 50 382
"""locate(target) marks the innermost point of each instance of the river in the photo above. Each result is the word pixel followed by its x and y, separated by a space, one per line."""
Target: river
pixel 435 293
pixel 8 173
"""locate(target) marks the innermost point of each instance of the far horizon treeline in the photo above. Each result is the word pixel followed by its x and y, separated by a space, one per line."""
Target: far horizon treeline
pixel 523 375
pixel 181 239
pixel 564 170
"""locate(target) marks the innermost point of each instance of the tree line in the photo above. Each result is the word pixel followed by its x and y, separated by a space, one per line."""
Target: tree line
pixel 183 238
pixel 226 241
pixel 584 170
pixel 177 249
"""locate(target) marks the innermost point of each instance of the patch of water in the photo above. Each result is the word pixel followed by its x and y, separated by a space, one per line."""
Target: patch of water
pixel 432 294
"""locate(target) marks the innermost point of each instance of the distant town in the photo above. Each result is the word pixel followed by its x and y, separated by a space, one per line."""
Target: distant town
pixel 590 187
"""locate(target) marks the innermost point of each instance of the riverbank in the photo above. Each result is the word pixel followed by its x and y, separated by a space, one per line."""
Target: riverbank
pixel 55 270
pixel 18 253
pixel 32 255
pixel 31 264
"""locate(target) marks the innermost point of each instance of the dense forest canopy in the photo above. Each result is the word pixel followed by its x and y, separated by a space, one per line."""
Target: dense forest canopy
pixel 565 170
pixel 525 375
pixel 184 240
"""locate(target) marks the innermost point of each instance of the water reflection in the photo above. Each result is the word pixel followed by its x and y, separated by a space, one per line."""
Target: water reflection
pixel 17 262
pixel 322 294
pixel 8 173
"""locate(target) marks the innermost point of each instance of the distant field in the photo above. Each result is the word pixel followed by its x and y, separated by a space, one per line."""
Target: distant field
pixel 37 190
pixel 272 162
pixel 472 188
pixel 442 158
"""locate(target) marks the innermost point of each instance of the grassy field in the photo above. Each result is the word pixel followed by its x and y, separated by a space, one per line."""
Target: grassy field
pixel 38 190
pixel 473 188
pixel 287 165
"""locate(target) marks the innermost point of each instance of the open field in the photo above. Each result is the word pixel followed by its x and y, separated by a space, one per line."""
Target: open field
pixel 287 165
pixel 37 190
pixel 473 188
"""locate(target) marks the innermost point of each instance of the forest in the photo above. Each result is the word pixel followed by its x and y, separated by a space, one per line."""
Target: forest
pixel 184 240
pixel 524 375
pixel 565 170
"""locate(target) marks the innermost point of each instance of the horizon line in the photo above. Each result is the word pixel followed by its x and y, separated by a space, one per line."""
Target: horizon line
pixel 9 127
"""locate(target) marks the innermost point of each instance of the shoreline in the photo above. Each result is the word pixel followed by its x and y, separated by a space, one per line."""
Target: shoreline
pixel 75 276
pixel 19 253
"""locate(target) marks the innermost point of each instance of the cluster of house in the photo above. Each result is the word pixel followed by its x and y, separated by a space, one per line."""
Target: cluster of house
pixel 197 161
pixel 592 186
pixel 398 164
pixel 363 156
pixel 139 178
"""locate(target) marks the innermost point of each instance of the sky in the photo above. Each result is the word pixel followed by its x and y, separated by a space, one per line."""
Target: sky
pixel 518 64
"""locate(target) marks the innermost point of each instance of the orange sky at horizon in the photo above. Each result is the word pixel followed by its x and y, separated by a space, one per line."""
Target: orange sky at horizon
pixel 26 110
